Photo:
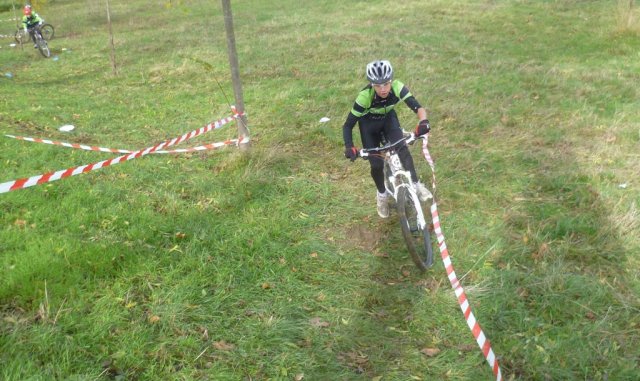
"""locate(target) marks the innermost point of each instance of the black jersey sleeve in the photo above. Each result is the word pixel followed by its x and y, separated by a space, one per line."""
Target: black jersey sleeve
pixel 347 129
pixel 409 99
pixel 413 103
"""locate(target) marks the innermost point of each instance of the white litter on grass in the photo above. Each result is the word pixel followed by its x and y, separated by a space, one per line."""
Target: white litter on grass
pixel 324 119
pixel 12 45
pixel 66 128
pixel 623 186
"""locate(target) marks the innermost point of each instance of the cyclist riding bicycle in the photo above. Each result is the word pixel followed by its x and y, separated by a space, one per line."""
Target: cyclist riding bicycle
pixel 377 119
pixel 30 21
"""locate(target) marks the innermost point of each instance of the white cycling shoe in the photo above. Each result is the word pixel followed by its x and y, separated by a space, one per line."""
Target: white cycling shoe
pixel 422 191
pixel 382 201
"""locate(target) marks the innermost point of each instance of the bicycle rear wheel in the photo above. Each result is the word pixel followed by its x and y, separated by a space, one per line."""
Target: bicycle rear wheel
pixel 47 31
pixel 418 239
pixel 20 36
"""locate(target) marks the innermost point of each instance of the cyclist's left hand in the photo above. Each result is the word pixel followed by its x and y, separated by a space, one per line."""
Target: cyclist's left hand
pixel 423 127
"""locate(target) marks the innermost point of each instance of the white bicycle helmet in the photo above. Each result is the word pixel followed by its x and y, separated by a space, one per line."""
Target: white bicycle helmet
pixel 379 72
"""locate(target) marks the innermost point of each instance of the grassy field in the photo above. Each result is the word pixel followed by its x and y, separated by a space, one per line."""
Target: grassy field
pixel 272 264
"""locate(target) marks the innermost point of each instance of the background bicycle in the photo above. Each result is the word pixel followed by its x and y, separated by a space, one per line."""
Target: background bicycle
pixel 416 230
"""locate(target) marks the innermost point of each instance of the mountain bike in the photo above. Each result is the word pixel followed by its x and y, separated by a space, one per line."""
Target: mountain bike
pixel 416 231
pixel 41 43
pixel 47 31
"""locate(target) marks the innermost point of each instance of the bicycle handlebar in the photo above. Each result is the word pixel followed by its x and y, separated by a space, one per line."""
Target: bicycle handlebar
pixel 408 139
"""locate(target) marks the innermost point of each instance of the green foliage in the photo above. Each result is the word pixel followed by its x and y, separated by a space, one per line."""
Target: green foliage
pixel 272 264
pixel 6 5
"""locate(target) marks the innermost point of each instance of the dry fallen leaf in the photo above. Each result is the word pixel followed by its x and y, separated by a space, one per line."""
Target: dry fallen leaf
pixel 154 319
pixel 542 251
pixel 466 347
pixel 317 322
pixel 223 345
pixel 430 351
pixel 357 360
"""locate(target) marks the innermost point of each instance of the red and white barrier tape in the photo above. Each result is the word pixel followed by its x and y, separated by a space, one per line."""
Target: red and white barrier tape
pixel 209 146
pixel 70 145
pixel 473 324
pixel 113 150
pixel 53 176
pixel 207 128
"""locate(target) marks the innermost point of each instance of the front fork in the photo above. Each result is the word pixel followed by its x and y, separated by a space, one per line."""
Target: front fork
pixel 402 179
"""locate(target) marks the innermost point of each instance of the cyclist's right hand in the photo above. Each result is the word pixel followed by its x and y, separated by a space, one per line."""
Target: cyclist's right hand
pixel 351 153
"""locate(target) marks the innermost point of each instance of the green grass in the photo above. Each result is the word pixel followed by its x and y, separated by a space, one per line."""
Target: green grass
pixel 271 264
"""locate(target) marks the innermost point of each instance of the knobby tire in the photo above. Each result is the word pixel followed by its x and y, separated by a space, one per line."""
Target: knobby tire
pixel 418 240
pixel 42 46
pixel 47 31
pixel 387 173
pixel 19 36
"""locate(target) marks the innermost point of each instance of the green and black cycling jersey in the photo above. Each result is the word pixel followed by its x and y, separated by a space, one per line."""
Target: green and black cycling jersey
pixel 31 21
pixel 369 105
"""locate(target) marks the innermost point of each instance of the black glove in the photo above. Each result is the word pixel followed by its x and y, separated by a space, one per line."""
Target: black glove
pixel 423 127
pixel 351 153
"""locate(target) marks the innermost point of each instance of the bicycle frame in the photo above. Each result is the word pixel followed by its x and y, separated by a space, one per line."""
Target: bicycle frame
pixel 398 177
pixel 41 43
pixel 46 30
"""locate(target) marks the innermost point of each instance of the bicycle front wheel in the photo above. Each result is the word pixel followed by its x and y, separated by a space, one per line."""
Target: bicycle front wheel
pixel 417 238
pixel 388 178
pixel 42 46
